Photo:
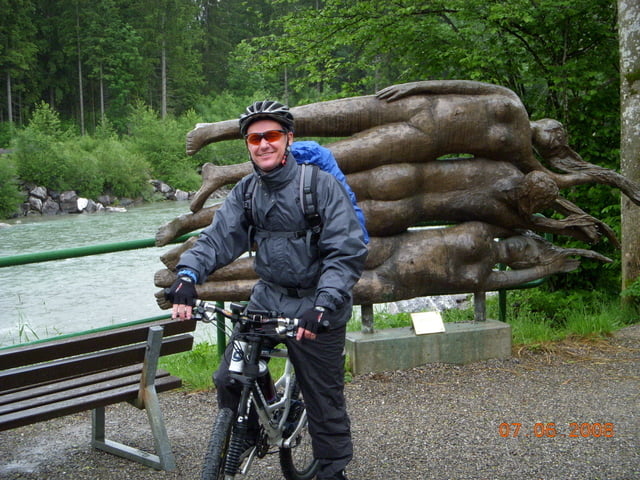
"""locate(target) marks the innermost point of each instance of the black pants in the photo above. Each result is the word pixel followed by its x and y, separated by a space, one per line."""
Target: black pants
pixel 319 366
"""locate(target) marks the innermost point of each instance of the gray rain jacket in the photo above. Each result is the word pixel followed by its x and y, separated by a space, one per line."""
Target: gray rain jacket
pixel 337 258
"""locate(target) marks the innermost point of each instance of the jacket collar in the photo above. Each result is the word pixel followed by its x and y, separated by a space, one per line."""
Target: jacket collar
pixel 279 177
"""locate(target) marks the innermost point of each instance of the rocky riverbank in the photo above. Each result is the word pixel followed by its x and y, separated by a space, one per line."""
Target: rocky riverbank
pixel 44 201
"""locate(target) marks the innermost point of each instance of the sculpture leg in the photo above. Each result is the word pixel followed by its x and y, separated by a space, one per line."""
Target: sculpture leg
pixel 215 177
pixel 206 133
pixel 185 223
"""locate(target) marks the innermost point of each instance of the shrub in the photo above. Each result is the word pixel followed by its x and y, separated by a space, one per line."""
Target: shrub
pixel 161 142
pixel 35 149
pixel 124 174
pixel 10 196
pixel 81 170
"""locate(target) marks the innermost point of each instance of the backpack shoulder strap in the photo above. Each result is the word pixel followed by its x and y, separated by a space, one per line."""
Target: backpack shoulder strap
pixel 309 202
pixel 308 197
pixel 247 204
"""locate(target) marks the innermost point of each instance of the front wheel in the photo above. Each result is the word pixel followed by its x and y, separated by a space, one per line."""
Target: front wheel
pixel 297 462
pixel 216 454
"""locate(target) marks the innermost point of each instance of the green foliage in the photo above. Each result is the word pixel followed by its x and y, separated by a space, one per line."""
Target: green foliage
pixel 161 143
pixel 633 291
pixel 35 149
pixel 10 196
pixel 537 316
pixel 50 156
pixel 123 173
pixel 80 172
pixel 381 320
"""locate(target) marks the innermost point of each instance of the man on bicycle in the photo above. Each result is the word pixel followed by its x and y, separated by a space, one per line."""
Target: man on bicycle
pixel 308 276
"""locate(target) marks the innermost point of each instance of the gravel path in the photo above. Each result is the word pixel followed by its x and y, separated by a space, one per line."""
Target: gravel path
pixel 434 422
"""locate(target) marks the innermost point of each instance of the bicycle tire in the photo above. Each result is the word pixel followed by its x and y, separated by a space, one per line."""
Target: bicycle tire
pixel 216 454
pixel 298 462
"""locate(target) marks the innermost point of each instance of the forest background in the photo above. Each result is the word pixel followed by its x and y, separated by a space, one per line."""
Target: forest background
pixel 99 95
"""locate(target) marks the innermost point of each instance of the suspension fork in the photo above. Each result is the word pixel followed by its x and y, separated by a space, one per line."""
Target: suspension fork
pixel 248 379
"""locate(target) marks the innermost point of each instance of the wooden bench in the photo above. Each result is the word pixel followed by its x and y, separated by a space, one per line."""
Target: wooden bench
pixel 51 378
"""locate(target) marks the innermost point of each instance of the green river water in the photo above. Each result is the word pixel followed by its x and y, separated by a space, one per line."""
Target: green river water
pixel 64 296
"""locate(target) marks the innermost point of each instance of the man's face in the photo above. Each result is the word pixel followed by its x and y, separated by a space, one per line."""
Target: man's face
pixel 267 155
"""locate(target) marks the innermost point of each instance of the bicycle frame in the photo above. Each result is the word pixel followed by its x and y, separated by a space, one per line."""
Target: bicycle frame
pixel 280 425
pixel 274 427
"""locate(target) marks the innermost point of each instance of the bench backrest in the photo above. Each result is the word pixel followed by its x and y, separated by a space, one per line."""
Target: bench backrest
pixel 51 360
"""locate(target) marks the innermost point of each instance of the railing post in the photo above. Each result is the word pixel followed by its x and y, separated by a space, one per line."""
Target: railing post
pixel 502 305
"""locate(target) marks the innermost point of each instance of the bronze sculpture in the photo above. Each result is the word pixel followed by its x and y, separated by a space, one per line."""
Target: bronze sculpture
pixel 402 266
pixel 392 157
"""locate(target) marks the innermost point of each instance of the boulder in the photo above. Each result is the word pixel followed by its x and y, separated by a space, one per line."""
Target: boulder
pixel 164 188
pixel 181 195
pixel 91 207
pixel 105 199
pixel 69 202
pixel 35 204
pixel 50 207
pixel 82 203
pixel 38 192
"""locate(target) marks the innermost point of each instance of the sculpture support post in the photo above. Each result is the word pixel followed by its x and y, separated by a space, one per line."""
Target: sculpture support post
pixel 480 306
pixel 366 312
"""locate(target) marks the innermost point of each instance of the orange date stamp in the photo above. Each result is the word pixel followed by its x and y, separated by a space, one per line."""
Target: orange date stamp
pixel 553 430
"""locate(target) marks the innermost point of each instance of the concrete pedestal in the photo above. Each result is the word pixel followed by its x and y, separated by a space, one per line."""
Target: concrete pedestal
pixel 401 348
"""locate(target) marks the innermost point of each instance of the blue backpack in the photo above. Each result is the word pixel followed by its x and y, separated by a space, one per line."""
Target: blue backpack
pixel 315 154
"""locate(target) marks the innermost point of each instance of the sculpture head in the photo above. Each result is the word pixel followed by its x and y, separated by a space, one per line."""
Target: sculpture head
pixel 547 135
pixel 535 192
pixel 267 128
pixel 527 250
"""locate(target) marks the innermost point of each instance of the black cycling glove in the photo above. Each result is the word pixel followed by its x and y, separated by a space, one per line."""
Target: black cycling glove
pixel 183 292
pixel 315 320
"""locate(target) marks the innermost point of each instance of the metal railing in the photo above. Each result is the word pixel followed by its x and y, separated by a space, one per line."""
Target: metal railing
pixel 53 255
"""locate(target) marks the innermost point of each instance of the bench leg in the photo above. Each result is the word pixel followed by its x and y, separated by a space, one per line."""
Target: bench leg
pixel 147 399
pixel 164 460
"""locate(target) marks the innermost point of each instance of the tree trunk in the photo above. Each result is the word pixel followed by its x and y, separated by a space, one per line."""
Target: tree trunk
pixel 80 87
pixel 164 80
pixel 101 96
pixel 9 99
pixel 629 37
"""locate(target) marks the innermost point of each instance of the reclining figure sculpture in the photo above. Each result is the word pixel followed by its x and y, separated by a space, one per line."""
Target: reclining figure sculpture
pixel 457 259
pixel 392 157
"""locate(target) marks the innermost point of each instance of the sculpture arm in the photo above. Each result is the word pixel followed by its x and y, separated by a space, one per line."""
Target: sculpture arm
pixel 442 87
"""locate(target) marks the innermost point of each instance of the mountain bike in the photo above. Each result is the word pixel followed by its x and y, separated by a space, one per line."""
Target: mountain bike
pixel 279 405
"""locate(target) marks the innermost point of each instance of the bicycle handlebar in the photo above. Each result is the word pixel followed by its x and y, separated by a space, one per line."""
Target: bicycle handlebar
pixel 284 326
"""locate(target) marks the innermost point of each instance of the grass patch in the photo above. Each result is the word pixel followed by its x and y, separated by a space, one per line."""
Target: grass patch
pixel 195 367
pixel 381 320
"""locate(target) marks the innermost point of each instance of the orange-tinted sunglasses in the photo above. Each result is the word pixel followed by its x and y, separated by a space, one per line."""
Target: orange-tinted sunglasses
pixel 270 136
